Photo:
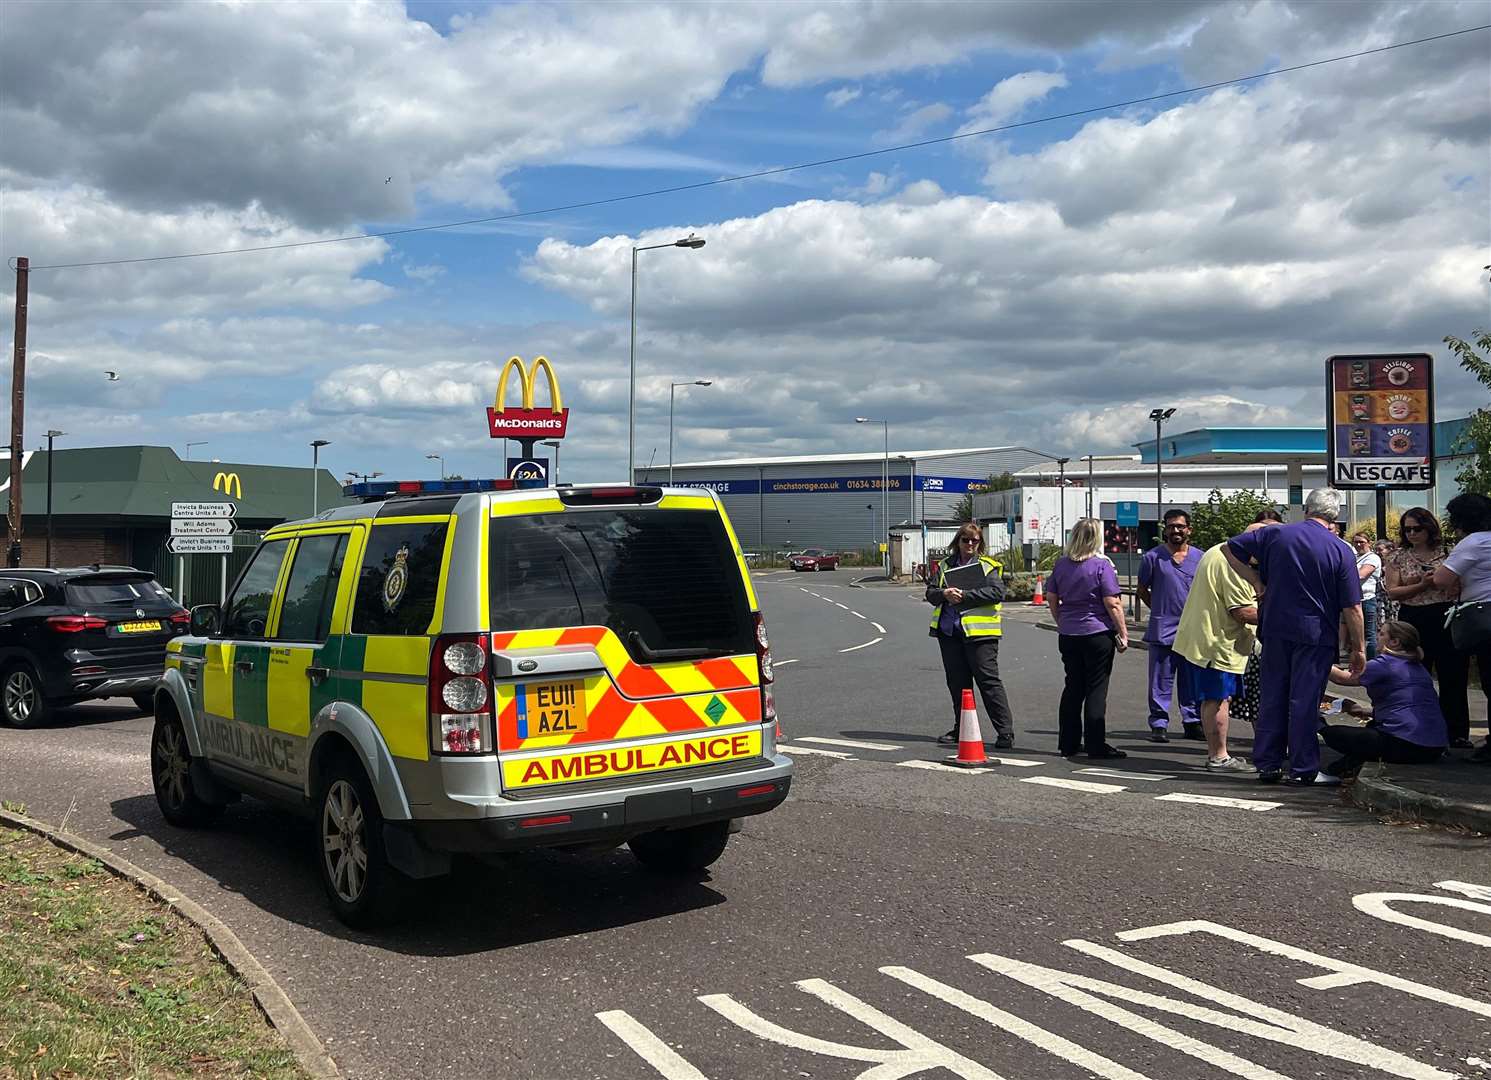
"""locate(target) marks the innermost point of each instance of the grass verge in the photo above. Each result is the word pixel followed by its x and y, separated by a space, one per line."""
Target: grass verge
pixel 97 979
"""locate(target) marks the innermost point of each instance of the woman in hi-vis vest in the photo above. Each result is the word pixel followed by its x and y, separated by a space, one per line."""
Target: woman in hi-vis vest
pixel 966 626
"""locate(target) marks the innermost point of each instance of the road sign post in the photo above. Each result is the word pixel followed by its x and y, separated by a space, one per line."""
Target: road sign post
pixel 201 528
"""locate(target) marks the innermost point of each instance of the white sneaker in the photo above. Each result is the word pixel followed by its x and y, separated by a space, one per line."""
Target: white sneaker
pixel 1325 779
pixel 1229 764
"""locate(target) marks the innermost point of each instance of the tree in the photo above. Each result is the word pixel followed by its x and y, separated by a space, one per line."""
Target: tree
pixel 1475 474
pixel 1222 517
pixel 963 508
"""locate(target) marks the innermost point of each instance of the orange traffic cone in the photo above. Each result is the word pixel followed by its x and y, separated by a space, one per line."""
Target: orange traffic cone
pixel 970 738
pixel 1039 599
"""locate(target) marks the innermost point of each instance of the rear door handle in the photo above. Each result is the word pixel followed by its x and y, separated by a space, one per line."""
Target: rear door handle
pixel 244 665
pixel 317 675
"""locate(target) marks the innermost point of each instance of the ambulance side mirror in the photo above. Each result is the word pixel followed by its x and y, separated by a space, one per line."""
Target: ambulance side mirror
pixel 206 619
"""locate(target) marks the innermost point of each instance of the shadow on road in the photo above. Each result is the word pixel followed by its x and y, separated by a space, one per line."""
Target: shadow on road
pixel 89 713
pixel 267 857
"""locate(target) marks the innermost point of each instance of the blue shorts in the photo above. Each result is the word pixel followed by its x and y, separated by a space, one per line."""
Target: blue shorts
pixel 1198 684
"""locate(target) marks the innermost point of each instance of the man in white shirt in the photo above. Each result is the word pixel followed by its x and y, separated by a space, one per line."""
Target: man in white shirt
pixel 1369 568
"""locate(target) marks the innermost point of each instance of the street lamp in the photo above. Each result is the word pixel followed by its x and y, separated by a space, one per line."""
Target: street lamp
pixel 1159 416
pixel 553 480
pixel 1061 494
pixel 316 445
pixel 51 434
pixel 690 241
pixel 884 486
pixel 672 389
pixel 440 458
pixel 363 476
pixel 200 442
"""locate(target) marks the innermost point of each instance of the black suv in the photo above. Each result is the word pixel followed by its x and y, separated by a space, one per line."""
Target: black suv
pixel 88 632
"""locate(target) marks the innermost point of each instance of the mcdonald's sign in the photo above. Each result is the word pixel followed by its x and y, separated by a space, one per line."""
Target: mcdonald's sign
pixel 527 422
pixel 229 484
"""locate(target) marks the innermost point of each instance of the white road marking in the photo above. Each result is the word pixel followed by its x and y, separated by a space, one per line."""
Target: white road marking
pixel 916 1053
pixel 878 628
pixel 866 645
pixel 1219 800
pixel 856 743
pixel 937 766
pixel 1024 763
pixel 1377 905
pixel 856 614
pixel 1465 888
pixel 839 605
pixel 1074 785
pixel 1156 777
pixel 787 749
pixel 649 1047
pixel 779 663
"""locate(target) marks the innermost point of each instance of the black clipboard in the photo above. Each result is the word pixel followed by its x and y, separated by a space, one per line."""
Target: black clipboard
pixel 969 576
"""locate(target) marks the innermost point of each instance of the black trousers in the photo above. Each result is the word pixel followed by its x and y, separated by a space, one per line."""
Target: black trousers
pixel 1083 715
pixel 974 661
pixel 1358 745
pixel 1448 665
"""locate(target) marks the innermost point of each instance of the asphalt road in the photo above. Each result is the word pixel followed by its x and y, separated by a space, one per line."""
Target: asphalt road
pixel 835 935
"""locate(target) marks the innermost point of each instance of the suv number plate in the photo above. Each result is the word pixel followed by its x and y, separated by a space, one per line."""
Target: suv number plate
pixel 147 627
pixel 551 708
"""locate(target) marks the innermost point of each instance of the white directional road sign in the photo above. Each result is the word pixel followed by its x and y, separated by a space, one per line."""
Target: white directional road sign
pixel 202 527
pixel 185 510
pixel 201 545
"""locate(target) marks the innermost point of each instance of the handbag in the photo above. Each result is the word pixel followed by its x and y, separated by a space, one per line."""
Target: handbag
pixel 1470 626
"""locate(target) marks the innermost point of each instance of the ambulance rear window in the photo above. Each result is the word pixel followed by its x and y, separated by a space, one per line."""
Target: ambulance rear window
pixel 666 581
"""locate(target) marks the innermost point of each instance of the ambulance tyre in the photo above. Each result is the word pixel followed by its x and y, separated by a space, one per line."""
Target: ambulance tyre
pixel 170 773
pixel 362 885
pixel 681 851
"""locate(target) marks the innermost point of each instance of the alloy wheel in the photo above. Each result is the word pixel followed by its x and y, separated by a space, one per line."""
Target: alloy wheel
pixel 344 841
pixel 20 696
pixel 171 763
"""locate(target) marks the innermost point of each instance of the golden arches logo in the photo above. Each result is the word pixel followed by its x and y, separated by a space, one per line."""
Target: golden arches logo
pixel 526 421
pixel 229 484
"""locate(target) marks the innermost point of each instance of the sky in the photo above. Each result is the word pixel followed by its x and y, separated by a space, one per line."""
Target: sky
pixel 1043 286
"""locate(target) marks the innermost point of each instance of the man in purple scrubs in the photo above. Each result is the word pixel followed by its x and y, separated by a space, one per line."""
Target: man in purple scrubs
pixel 1307 579
pixel 1165 576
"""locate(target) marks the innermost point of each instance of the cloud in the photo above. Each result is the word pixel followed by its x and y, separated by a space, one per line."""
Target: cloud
pixel 1010 96
pixel 914 124
pixel 425 273
pixel 837 99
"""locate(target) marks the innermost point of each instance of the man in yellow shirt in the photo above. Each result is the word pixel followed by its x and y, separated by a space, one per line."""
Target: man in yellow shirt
pixel 1212 646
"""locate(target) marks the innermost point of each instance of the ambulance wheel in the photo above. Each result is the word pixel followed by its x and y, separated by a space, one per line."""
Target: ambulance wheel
pixel 170 772
pixel 363 887
pixel 681 851
pixel 24 706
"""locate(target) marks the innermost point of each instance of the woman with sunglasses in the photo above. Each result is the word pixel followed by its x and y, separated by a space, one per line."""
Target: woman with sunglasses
pixel 966 625
pixel 1423 605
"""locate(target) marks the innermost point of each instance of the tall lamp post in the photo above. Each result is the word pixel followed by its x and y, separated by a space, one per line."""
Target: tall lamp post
pixel 364 477
pixel 440 458
pixel 200 442
pixel 554 480
pixel 884 489
pixel 51 434
pixel 694 243
pixel 673 389
pixel 1061 494
pixel 316 445
pixel 1159 416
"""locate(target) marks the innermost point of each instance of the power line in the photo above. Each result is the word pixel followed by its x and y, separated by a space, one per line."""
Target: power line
pixel 778 171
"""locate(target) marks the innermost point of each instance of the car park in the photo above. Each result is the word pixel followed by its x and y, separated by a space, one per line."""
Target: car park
pixel 814 559
pixel 456 667
pixel 70 635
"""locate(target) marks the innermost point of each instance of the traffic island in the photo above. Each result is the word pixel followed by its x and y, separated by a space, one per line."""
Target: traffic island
pixel 1455 792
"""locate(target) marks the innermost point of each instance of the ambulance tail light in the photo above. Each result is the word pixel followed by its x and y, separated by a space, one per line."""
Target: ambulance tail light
pixel 461 695
pixel 768 675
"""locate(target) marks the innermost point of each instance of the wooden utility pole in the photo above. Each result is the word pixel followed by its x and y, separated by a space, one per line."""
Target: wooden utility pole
pixel 18 413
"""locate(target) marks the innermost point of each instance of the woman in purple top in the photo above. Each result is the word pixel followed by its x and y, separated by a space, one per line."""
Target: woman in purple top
pixel 1084 597
pixel 1407 724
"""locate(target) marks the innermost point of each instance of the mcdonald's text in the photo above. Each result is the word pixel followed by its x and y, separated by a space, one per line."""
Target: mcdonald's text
pixel 526 423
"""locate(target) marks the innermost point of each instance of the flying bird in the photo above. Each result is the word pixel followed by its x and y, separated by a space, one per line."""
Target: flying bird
pixel 113 376
pixel 388 179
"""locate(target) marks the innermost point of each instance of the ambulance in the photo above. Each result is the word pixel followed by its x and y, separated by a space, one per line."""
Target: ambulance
pixel 462 667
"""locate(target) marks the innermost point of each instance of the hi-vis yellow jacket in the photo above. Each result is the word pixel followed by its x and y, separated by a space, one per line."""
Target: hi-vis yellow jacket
pixel 979 621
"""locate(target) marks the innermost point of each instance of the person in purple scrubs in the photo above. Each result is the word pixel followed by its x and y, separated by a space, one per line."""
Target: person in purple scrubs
pixel 1085 603
pixel 1408 726
pixel 1307 579
pixel 1165 576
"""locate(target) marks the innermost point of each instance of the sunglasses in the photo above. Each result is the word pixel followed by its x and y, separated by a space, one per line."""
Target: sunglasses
pixel 1415 528
pixel 968 540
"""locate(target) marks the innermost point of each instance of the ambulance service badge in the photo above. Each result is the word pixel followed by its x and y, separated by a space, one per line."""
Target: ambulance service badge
pixel 396 581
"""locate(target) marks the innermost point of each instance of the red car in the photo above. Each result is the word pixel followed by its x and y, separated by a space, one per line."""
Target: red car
pixel 814 559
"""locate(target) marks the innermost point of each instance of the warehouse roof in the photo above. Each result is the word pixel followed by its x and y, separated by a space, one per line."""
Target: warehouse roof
pixel 878 455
